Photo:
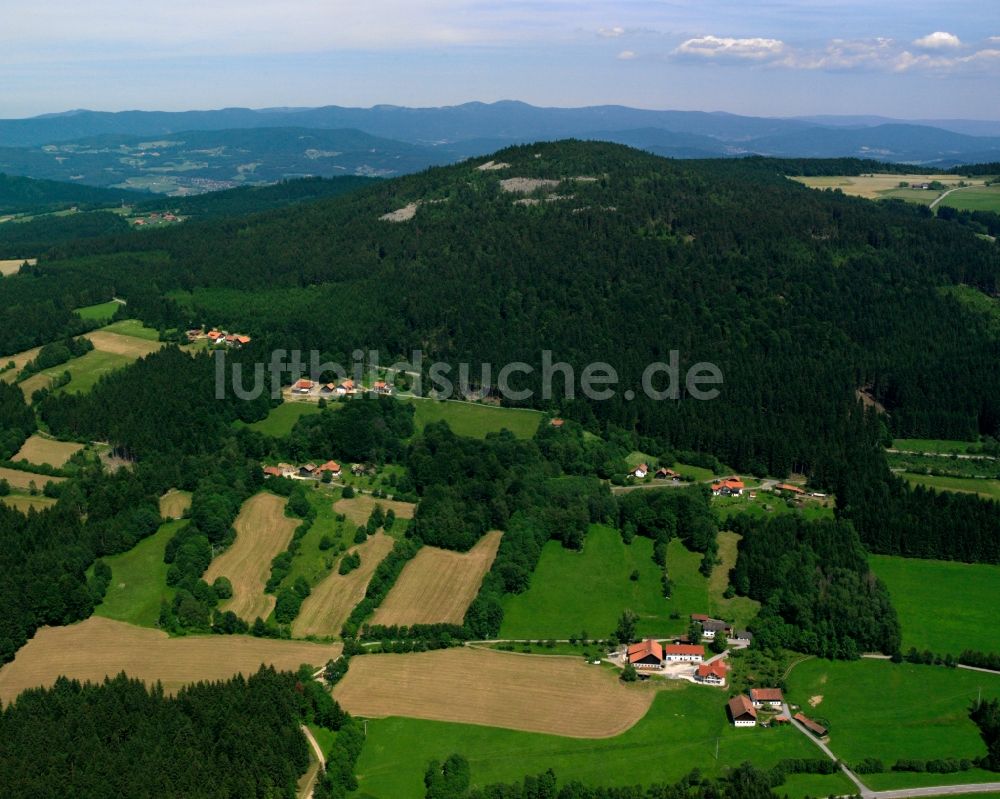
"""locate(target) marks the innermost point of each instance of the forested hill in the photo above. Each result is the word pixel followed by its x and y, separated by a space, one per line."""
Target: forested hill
pixel 18 194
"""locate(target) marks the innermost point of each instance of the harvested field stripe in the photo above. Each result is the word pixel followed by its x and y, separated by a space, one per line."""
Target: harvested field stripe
pixel 557 695
pixel 262 531
pixel 174 503
pixel 98 647
pixel 119 344
pixel 19 479
pixel 360 507
pixel 38 449
pixel 438 585
pixel 331 602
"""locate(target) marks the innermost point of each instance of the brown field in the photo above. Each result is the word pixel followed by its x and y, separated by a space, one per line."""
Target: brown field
pixel 174 503
pixel 262 531
pixel 23 480
pixel 873 187
pixel 22 502
pixel 99 647
pixel 45 450
pixel 360 507
pixel 118 344
pixel 555 695
pixel 332 600
pixel 20 360
pixel 438 585
pixel 10 266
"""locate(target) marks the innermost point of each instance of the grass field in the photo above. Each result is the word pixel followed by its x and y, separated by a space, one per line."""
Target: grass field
pixel 139 580
pixel 557 695
pixel 936 445
pixel 572 592
pixel 20 360
pixel 977 198
pixel 943 606
pixel 23 480
pixel 331 602
pixel 280 421
pixel 359 507
pixel 473 420
pixel 990 489
pixel 262 531
pixel 879 709
pixel 84 371
pixel 102 312
pixel 679 732
pixel 311 562
pixel 47 451
pixel 174 503
pixel 134 329
pixel 739 610
pixel 23 502
pixel 100 647
pixel 438 586
pixel 882 186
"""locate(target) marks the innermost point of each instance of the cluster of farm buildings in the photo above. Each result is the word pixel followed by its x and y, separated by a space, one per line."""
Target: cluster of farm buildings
pixel 222 338
pixel 344 388
pixel 310 471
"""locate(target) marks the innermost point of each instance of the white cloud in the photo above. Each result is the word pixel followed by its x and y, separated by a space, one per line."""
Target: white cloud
pixel 719 47
pixel 843 54
pixel 939 40
pixel 611 33
pixel 626 55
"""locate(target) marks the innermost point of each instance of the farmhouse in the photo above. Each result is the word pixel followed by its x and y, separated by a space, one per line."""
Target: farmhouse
pixel 346 387
pixel 730 487
pixel 711 627
pixel 557 422
pixel 713 673
pixel 303 386
pixel 663 473
pixel 645 655
pixel 792 489
pixel 330 466
pixel 287 470
pixel 684 653
pixel 273 471
pixel 328 388
pixel 742 712
pixel 816 729
pixel 743 636
pixel 766 697
pixel 381 387
pixel 640 471
pixel 307 470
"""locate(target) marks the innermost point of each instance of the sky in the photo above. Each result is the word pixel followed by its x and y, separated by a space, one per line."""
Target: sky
pixel 913 59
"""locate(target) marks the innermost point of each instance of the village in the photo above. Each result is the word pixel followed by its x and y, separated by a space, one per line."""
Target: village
pixel 680 659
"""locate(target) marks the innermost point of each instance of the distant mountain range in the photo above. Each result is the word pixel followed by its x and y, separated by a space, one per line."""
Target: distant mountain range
pixel 200 150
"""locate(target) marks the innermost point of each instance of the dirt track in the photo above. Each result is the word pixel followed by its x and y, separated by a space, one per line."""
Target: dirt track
pixel 557 695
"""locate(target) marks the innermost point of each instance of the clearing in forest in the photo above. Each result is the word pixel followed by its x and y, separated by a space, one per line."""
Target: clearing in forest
pixel 23 480
pixel 46 450
pixel 174 503
pixel 12 265
pixel 262 531
pixel 438 585
pixel 557 695
pixel 359 507
pixel 332 600
pixel 24 502
pixel 128 345
pixel 98 647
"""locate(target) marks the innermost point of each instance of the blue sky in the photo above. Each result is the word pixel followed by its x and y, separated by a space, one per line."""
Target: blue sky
pixel 915 59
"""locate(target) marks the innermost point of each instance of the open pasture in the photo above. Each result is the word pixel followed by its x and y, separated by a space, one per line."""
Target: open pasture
pixel 359 507
pixel 474 420
pixel 326 609
pixel 20 360
pixel 572 592
pixel 84 371
pixel 889 711
pixel 988 489
pixel 943 606
pixel 974 198
pixel 174 503
pixel 102 312
pixel 738 609
pixel 24 502
pixel 23 480
pixel 280 421
pixel 98 647
pixel 679 732
pixel 262 531
pixel 438 586
pixel 127 344
pixel 878 186
pixel 38 449
pixel 937 446
pixel 561 696
pixel 139 580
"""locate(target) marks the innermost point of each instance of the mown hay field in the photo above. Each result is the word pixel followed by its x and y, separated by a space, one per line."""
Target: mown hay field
pixel 557 695
pixel 46 450
pixel 98 647
pixel 332 600
pixel 438 585
pixel 358 508
pixel 262 531
pixel 174 503
pixel 23 480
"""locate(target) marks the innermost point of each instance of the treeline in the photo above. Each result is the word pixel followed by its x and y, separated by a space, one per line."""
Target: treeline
pixel 240 737
pixel 35 237
pixel 54 354
pixel 818 595
pixel 17 422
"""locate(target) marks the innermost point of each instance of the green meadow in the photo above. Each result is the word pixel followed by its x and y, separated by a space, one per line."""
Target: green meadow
pixel 280 421
pixel 990 489
pixel 875 708
pixel 134 328
pixel 938 446
pixel 84 371
pixel 572 592
pixel 683 729
pixel 102 312
pixel 975 198
pixel 943 606
pixel 310 561
pixel 139 580
pixel 473 420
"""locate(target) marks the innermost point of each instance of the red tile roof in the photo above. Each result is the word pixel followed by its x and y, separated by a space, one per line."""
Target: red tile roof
pixel 684 649
pixel 716 668
pixel 740 706
pixel 329 466
pixel 274 471
pixel 700 617
pixel 557 422
pixel 766 695
pixel 812 726
pixel 303 383
pixel 643 650
pixel 789 487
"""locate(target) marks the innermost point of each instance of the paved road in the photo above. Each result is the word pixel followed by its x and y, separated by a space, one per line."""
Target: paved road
pixel 863 789
pixel 940 790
